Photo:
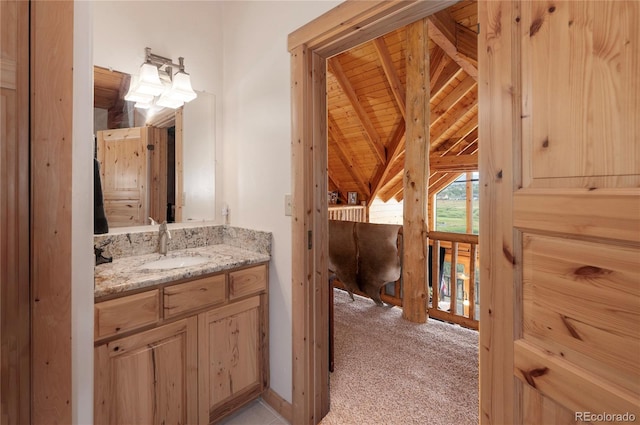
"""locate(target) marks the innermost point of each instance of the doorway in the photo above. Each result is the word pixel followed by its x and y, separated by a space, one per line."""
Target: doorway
pixel 310 48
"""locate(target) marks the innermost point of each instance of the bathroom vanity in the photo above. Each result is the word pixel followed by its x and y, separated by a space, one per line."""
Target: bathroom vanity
pixel 182 338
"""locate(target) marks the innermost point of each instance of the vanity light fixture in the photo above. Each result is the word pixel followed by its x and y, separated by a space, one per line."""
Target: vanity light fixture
pixel 156 85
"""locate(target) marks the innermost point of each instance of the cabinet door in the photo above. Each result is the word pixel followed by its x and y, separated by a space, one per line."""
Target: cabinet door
pixel 148 378
pixel 230 360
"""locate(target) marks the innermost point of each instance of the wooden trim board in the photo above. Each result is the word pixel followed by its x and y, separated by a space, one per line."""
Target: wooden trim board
pixel 340 29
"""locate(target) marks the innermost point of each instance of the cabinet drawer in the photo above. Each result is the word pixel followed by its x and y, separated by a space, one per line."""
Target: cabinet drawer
pixel 247 281
pixel 124 314
pixel 193 295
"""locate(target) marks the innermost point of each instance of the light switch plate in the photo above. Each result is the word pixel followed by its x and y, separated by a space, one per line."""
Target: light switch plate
pixel 287 204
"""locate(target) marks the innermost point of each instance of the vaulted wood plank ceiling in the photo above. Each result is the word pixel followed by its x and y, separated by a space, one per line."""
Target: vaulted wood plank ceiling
pixel 366 108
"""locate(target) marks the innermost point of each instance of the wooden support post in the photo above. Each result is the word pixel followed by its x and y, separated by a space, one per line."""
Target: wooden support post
pixel 469 203
pixel 472 281
pixel 453 281
pixel 416 175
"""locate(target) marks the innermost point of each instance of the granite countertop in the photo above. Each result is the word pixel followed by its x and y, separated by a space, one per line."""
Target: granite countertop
pixel 128 273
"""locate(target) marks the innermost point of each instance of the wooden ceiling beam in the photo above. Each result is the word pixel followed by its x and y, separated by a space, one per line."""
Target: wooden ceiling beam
pixel 451 163
pixel 396 144
pixel 442 180
pixel 390 72
pixel 445 127
pixel 452 98
pixel 438 59
pixel 372 135
pixel 444 31
pixel 451 70
pixel 458 143
pixel 345 158
pixel 393 190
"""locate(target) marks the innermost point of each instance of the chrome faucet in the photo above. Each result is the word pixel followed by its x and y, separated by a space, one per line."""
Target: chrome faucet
pixel 163 236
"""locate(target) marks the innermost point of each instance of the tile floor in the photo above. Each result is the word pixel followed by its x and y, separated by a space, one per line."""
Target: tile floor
pixel 257 412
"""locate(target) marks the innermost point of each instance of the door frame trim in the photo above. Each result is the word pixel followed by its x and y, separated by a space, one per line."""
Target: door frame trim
pixel 347 25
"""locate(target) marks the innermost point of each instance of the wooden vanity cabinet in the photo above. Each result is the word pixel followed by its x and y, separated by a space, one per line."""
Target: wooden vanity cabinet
pixel 205 357
pixel 149 377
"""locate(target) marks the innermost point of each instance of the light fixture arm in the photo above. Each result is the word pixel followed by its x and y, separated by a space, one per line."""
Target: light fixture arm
pixel 161 61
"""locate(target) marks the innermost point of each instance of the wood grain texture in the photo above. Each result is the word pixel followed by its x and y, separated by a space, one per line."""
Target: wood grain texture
pixel 576 215
pixel 158 161
pixel 127 313
pixel 320 239
pixel 123 158
pixel 230 355
pixel 150 377
pixel 554 378
pixel 15 391
pixel 416 172
pixel 592 82
pixel 190 296
pixel 579 301
pixel 498 64
pixel 248 281
pixel 179 147
pixel 51 124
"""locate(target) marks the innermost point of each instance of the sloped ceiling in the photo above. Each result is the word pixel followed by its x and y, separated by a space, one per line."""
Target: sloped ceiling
pixel 366 108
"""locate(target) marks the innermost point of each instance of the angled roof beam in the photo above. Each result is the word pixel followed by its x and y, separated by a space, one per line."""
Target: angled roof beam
pixel 452 98
pixel 396 145
pixel 438 59
pixel 372 135
pixel 345 158
pixel 450 71
pixel 392 75
pixel 445 32
pixel 446 126
pixel 442 180
pixel 452 163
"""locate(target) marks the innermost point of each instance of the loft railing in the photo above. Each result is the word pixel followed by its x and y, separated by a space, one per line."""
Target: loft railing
pixel 348 213
pixel 454 292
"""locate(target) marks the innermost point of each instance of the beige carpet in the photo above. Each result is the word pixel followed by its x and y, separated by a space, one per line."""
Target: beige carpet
pixel 391 371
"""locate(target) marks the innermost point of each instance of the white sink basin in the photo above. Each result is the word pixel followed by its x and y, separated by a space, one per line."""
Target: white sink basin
pixel 174 262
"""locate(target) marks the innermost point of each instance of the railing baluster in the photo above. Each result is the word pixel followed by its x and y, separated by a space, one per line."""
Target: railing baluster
pixel 472 281
pixel 453 286
pixel 435 275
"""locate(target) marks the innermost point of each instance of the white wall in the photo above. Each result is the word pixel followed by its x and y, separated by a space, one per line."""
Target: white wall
pixel 256 145
pixel 193 30
pixel 241 49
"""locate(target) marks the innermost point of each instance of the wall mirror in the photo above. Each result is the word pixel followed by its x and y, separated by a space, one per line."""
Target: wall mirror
pixel 156 163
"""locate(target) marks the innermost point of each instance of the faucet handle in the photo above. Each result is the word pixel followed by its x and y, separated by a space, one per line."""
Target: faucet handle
pixel 153 222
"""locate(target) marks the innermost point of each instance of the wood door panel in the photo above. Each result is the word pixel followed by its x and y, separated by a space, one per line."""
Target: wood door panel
pixel 575 388
pixel 579 299
pixel 230 354
pixel 149 377
pixel 602 213
pixel 561 244
pixel 123 158
pixel 539 409
pixel 577 217
pixel 587 90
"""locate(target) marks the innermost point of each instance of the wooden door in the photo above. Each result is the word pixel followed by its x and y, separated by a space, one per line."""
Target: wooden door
pixel 230 354
pixel 123 158
pixel 148 378
pixel 158 170
pixel 560 211
pixel 14 213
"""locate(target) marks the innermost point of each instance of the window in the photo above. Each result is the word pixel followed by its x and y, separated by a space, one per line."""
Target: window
pixel 452 208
